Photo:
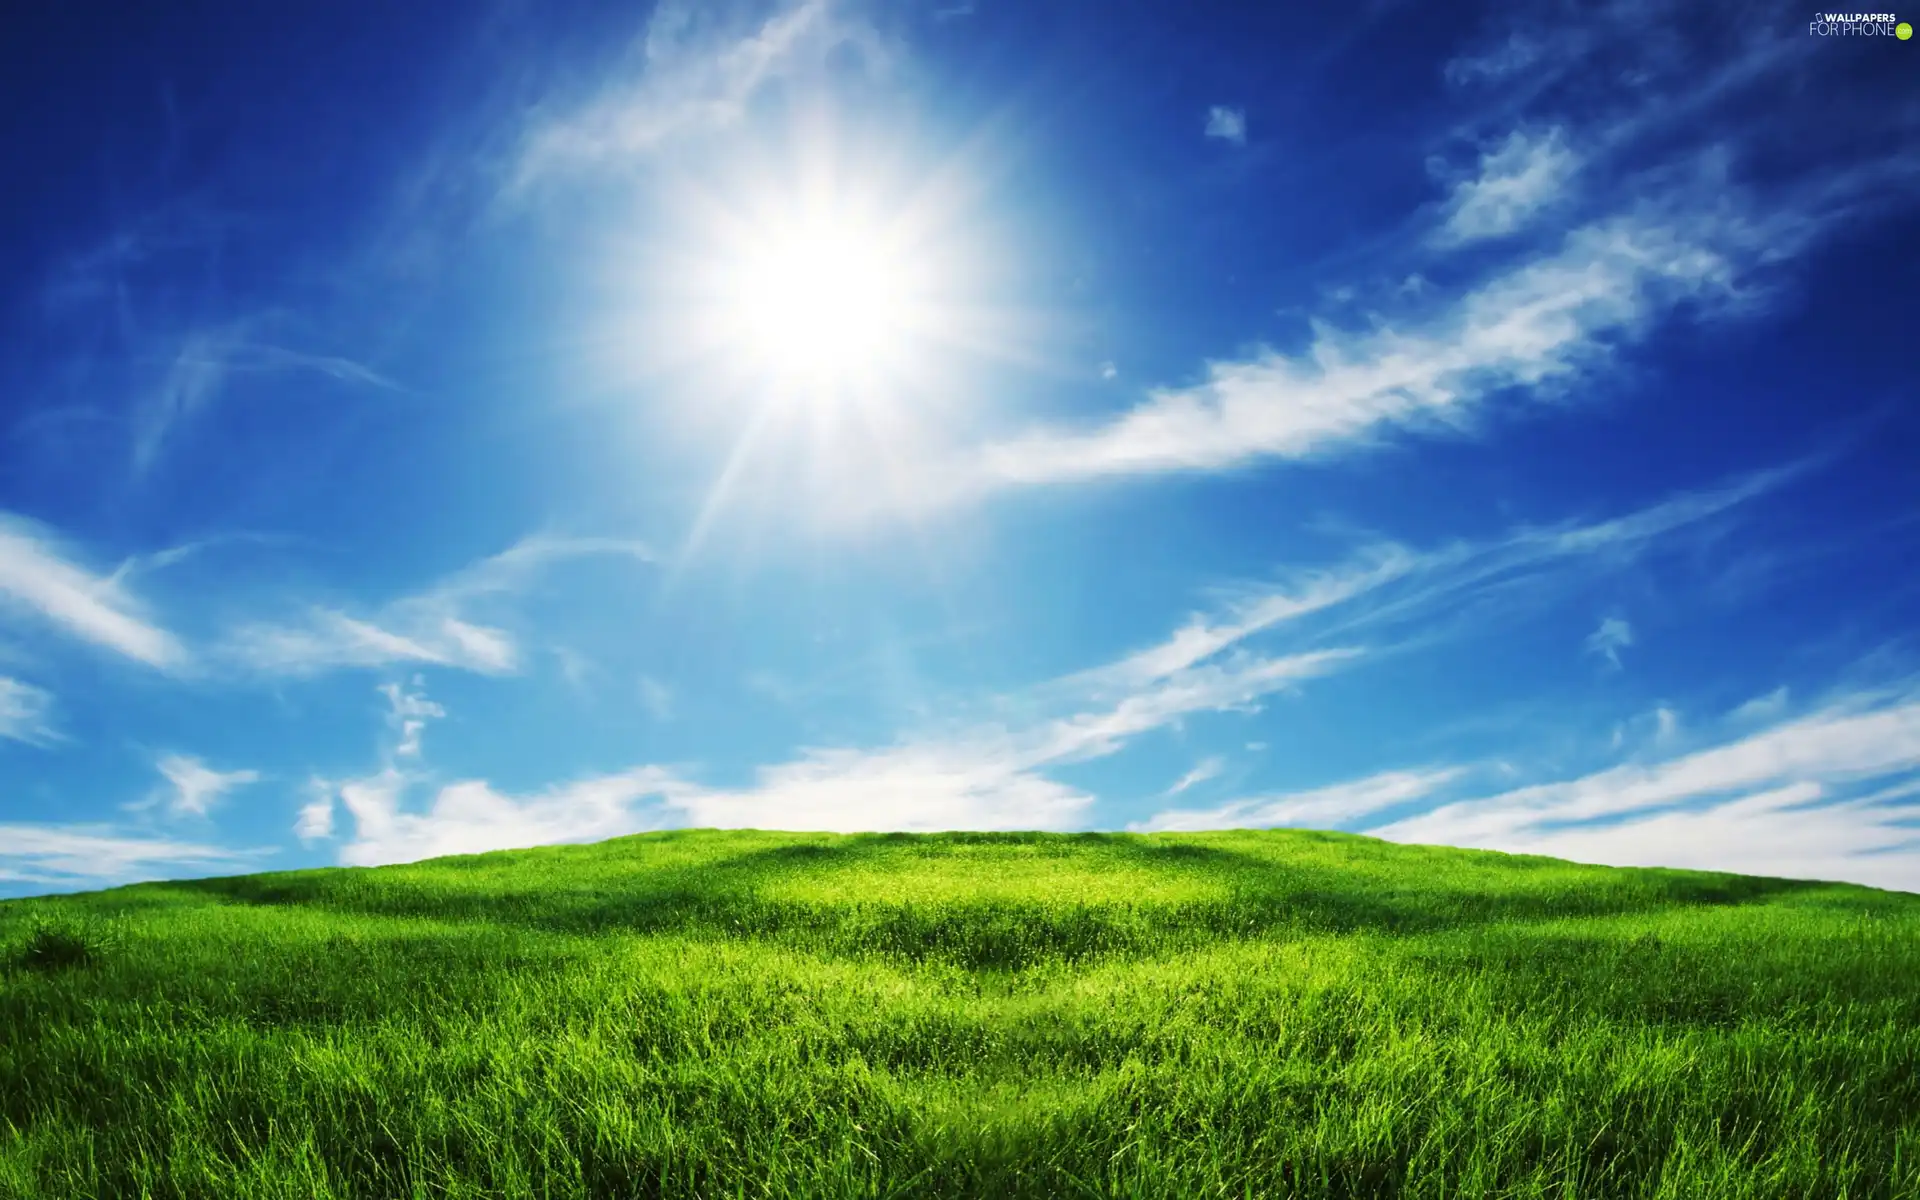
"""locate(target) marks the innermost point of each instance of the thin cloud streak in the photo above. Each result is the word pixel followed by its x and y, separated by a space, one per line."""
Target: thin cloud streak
pixel 1546 322
pixel 71 857
pixel 26 713
pixel 431 628
pixel 1318 808
pixel 205 366
pixel 1386 584
pixel 685 90
pixel 986 777
pixel 36 576
pixel 1786 800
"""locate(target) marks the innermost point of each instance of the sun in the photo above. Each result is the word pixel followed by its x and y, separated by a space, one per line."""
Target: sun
pixel 822 301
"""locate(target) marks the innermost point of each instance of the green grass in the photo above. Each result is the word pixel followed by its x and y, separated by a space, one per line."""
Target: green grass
pixel 756 1014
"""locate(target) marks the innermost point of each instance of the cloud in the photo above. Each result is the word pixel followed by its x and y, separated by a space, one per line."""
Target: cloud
pixel 1205 769
pixel 1387 585
pixel 1517 181
pixel 1501 61
pixel 1547 321
pixel 471 818
pixel 1320 808
pixel 79 856
pixel 196 787
pixel 1227 124
pixel 1762 708
pixel 1613 636
pixel 410 712
pixel 206 363
pixel 691 82
pixel 26 713
pixel 315 822
pixel 433 627
pixel 1828 795
pixel 1678 217
pixel 331 640
pixel 981 776
pixel 35 576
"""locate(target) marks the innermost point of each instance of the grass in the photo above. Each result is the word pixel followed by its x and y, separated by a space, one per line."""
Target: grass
pixel 776 1015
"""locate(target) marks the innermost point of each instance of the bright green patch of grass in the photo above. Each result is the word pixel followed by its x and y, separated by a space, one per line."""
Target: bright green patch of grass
pixel 773 1015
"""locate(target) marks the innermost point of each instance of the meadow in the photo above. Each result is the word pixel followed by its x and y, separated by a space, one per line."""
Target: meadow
pixel 746 1014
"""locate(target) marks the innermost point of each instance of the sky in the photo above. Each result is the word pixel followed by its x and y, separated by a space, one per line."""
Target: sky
pixel 446 427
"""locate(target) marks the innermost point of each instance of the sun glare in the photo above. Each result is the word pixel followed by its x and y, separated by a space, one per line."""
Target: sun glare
pixel 821 302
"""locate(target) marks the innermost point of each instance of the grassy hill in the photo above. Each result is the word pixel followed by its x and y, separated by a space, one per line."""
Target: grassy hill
pixel 758 1014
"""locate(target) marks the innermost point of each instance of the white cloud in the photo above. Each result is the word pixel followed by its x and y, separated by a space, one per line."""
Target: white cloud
pixel 206 363
pixel 691 82
pixel 409 712
pixel 984 776
pixel 196 787
pixel 1672 227
pixel 1613 635
pixel 36 577
pixel 1769 707
pixel 987 775
pixel 1666 724
pixel 26 713
pixel 1827 795
pixel 433 627
pixel 471 818
pixel 1517 181
pixel 1320 808
pixel 1205 769
pixel 1546 321
pixel 1227 124
pixel 1387 584
pixel 1261 609
pixel 330 640
pixel 315 822
pixel 78 856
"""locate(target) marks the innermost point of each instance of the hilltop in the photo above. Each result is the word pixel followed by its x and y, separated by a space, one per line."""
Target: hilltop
pixel 706 1013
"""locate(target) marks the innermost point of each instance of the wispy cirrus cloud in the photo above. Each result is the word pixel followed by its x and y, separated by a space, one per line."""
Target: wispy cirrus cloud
pixel 1832 794
pixel 39 578
pixel 1385 586
pixel 69 857
pixel 207 364
pixel 1516 182
pixel 690 79
pixel 1206 769
pixel 1613 635
pixel 1317 808
pixel 998 774
pixel 434 627
pixel 26 713
pixel 980 776
pixel 1545 322
pixel 1657 219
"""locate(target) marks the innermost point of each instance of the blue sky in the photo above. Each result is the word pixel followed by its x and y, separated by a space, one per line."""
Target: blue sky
pixel 463 426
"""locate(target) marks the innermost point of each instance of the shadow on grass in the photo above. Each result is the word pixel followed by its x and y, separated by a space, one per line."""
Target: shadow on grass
pixel 1304 884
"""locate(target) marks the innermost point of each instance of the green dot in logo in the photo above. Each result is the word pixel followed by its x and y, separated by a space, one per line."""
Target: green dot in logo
pixel 1903 31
